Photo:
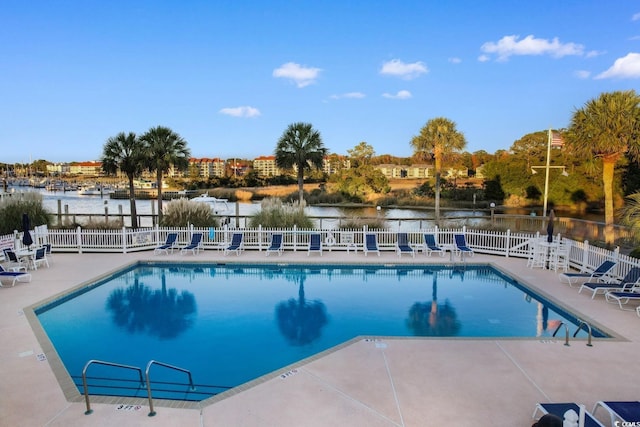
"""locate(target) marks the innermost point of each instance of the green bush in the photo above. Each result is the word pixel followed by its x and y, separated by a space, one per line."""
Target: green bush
pixel 275 214
pixel 12 208
pixel 182 212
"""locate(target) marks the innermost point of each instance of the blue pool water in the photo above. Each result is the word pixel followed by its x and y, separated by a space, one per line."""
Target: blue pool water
pixel 229 324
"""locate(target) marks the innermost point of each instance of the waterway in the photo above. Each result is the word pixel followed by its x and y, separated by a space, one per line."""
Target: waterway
pixel 399 219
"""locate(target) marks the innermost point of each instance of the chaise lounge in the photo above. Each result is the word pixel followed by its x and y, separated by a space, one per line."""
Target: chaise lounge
pixel 403 246
pixel 194 246
pixel 627 283
pixel 169 244
pixel 600 274
pixel 236 245
pixel 15 276
pixel 276 244
pixel 371 244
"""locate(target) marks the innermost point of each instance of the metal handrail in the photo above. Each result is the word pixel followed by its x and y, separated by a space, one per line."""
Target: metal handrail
pixel 583 323
pixel 101 362
pixel 566 333
pixel 166 365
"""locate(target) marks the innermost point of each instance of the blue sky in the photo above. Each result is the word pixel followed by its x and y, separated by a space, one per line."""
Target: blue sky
pixel 230 76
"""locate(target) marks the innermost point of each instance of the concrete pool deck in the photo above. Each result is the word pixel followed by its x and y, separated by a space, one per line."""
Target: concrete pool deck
pixel 383 382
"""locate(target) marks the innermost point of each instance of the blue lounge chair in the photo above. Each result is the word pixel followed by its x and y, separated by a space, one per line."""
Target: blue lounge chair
pixel 15 276
pixel 194 246
pixel 627 283
pixel 461 245
pixel 236 244
pixel 403 246
pixel 600 274
pixel 169 244
pixel 559 409
pixel 621 411
pixel 315 244
pixel 276 244
pixel 371 244
pixel 431 246
pixel 623 298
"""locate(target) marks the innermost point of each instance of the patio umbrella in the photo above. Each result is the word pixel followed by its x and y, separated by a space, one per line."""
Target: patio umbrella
pixel 552 216
pixel 27 240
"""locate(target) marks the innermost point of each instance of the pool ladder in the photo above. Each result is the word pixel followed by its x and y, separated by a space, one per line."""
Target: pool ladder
pixel 566 332
pixel 135 368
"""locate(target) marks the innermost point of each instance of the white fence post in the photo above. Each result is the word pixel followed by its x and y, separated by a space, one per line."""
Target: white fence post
pixel 507 243
pixel 124 239
pixel 79 239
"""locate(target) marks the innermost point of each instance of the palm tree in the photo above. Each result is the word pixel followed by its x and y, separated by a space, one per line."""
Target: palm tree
pixel 166 149
pixel 607 128
pixel 300 146
pixel 125 153
pixel 440 139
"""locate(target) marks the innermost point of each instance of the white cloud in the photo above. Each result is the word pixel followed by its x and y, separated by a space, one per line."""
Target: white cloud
pixel 594 53
pixel 455 60
pixel 402 94
pixel 244 111
pixel 302 76
pixel 352 95
pixel 635 17
pixel 582 74
pixel 627 67
pixel 397 68
pixel 484 58
pixel 512 45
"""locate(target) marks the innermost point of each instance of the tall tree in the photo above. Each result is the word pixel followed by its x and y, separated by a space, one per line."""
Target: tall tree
pixel 362 153
pixel 125 153
pixel 166 149
pixel 300 146
pixel 607 128
pixel 438 139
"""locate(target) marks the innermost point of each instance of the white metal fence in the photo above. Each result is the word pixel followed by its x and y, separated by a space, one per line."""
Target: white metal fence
pixel 583 256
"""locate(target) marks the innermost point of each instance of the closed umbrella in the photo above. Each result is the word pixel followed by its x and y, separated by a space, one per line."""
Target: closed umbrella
pixel 552 216
pixel 27 240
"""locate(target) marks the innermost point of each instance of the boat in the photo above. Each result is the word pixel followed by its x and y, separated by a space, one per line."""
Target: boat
pixel 206 198
pixel 94 190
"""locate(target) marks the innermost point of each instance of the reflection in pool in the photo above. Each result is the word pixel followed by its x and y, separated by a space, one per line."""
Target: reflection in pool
pixel 229 324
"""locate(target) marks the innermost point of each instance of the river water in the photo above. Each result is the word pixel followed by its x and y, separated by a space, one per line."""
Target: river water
pixel 325 217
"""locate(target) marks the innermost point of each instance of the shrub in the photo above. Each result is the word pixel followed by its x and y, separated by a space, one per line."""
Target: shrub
pixel 357 223
pixel 182 212
pixel 12 208
pixel 275 214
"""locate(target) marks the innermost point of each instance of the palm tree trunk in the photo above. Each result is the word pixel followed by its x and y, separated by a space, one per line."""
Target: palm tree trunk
pixel 301 186
pixel 438 167
pixel 608 165
pixel 132 203
pixel 159 185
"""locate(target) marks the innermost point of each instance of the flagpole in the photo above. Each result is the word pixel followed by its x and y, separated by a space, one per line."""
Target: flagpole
pixel 546 175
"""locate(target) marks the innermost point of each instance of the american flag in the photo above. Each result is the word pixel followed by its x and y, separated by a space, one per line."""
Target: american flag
pixel 556 140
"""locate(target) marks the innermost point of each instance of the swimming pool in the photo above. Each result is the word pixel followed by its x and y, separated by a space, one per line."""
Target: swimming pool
pixel 229 324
